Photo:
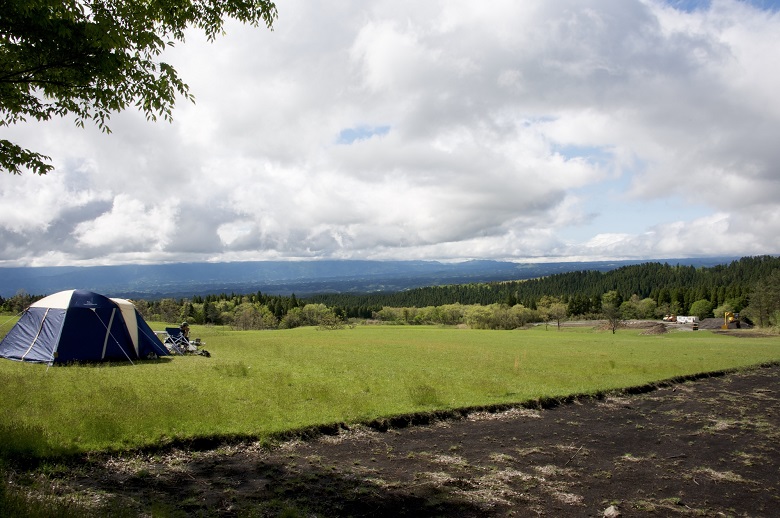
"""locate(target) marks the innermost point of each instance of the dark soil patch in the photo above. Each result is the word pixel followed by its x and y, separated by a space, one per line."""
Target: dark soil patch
pixel 709 447
pixel 742 333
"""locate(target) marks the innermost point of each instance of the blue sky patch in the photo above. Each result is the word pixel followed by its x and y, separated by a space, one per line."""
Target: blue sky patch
pixel 594 155
pixel 703 5
pixel 350 135
pixel 690 5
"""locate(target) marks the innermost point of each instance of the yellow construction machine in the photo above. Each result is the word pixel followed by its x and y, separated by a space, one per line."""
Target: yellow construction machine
pixel 730 320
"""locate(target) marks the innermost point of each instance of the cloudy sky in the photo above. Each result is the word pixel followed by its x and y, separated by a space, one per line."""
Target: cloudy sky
pixel 527 131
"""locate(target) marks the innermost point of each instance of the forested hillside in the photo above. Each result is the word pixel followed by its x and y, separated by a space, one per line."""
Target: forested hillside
pixel 750 286
pixel 671 286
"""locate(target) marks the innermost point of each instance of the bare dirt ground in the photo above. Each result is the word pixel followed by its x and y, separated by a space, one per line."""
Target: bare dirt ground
pixel 705 447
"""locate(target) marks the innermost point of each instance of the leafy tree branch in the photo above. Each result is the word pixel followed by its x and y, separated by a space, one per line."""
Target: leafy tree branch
pixel 92 58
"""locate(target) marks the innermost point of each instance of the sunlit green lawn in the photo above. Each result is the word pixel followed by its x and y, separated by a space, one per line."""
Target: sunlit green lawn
pixel 258 383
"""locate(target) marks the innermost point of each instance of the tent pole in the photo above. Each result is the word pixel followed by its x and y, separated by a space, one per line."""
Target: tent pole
pixel 56 350
pixel 37 334
pixel 108 334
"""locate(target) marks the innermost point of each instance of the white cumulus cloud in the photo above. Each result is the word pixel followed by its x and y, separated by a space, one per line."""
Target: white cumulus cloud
pixel 398 130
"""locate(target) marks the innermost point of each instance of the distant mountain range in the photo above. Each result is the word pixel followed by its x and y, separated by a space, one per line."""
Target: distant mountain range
pixel 304 278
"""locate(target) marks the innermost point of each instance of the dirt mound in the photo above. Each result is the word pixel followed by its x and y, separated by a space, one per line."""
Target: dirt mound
pixel 649 325
pixel 710 323
pixel 641 324
pixel 717 323
pixel 657 329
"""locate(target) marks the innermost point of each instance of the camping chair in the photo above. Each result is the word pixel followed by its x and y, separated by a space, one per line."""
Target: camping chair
pixel 175 340
pixel 180 345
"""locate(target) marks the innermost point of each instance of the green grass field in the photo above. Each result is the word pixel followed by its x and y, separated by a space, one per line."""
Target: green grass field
pixel 260 383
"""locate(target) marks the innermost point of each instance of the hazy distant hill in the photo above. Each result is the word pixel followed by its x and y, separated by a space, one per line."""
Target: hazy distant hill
pixel 284 277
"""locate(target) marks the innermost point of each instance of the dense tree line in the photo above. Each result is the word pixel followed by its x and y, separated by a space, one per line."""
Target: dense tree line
pixel 750 286
pixel 242 312
pixel 18 302
pixel 672 289
pixel 252 311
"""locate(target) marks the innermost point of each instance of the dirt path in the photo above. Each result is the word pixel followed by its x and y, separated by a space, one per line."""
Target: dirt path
pixel 709 447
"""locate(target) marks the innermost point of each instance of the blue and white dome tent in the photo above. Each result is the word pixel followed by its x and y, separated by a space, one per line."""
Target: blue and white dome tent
pixel 80 326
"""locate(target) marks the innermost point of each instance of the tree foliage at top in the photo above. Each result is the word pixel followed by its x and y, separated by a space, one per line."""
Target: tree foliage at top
pixel 91 58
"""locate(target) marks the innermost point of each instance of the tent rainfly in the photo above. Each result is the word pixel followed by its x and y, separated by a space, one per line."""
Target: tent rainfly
pixel 78 325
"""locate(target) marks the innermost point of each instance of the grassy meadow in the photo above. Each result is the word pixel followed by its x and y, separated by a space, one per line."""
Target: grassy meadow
pixel 261 383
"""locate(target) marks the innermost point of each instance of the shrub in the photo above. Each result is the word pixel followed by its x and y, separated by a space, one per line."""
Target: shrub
pixel 701 308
